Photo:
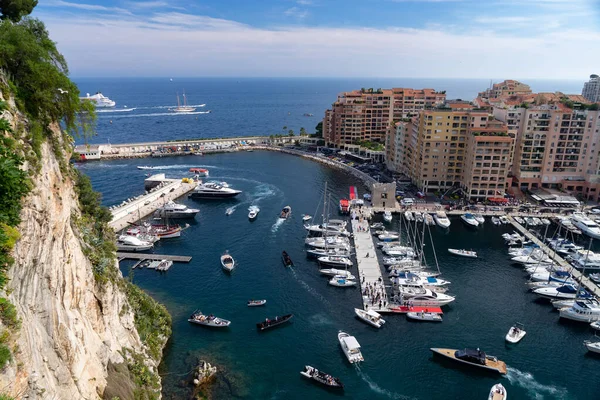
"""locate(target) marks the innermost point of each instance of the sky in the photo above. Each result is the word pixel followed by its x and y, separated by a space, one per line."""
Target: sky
pixel 536 39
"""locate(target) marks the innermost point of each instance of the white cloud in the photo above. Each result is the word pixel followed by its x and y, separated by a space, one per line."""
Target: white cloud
pixel 148 4
pixel 83 6
pixel 304 2
pixel 296 12
pixel 177 44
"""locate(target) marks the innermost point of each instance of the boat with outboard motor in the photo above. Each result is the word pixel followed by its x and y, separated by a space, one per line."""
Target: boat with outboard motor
pixel 342 281
pixel 351 347
pixel 371 317
pixel 322 378
pixel 473 357
pixel 337 272
pixel 287 261
pixel 470 220
pixel 271 323
pixel 592 346
pixel 285 212
pixel 227 262
pixel 424 316
pixel 256 303
pixel 387 216
pixel 463 253
pixel 306 218
pixel 208 320
pixel 515 333
pixel 253 212
pixel 441 219
pixel 498 392
pixel 582 311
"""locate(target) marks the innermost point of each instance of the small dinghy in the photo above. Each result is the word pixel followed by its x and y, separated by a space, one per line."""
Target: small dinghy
pixel 342 281
pixel 370 317
pixel 515 333
pixel 208 320
pixel 463 253
pixel 498 392
pixel 286 212
pixel 229 211
pixel 287 261
pixel 306 218
pixel 227 262
pixel 424 316
pixel 256 303
pixel 322 378
pixel 387 216
pixel 271 323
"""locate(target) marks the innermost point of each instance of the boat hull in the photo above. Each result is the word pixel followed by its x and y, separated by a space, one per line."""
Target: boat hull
pixel 498 366
pixel 263 326
pixel 214 196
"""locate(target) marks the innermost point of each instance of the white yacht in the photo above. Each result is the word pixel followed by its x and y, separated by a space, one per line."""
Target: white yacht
pixel 213 190
pixel 558 293
pixel 587 226
pixel 253 212
pixel 463 253
pixel 515 333
pixel 585 259
pixel 99 100
pixel 174 210
pixel 409 216
pixel 592 346
pixel 371 317
pixel 327 229
pixel 342 281
pixel 424 297
pixel 504 219
pixel 404 278
pixel 388 237
pixel 132 243
pixel 387 216
pixel 350 347
pixel 428 219
pixel 335 261
pixel 582 310
pixel 327 252
pixel 469 219
pixel 480 218
pixel 337 272
pixel 441 219
pixel 496 221
pixel 328 243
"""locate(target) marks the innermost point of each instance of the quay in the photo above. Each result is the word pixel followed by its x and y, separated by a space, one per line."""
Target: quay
pixel 577 275
pixel 153 257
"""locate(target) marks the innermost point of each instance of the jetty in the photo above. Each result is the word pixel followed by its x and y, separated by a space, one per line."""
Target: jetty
pixel 153 257
pixel 577 275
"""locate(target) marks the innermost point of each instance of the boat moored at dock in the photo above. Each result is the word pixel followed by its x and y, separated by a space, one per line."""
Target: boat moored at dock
pixel 441 219
pixel 371 317
pixel 470 220
pixel 174 210
pixel 132 243
pixel 424 316
pixel 473 357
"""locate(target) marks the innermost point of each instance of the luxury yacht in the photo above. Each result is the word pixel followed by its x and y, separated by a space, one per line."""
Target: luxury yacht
pixel 174 210
pixel 587 226
pixel 213 190
pixel 99 100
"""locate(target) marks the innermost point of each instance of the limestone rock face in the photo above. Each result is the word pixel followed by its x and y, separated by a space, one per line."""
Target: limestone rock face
pixel 71 327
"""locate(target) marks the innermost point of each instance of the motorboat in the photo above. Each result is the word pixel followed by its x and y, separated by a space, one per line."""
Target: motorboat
pixel 563 246
pixel 582 311
pixel 208 320
pixel 337 272
pixel 287 261
pixel 566 223
pixel 183 108
pixel 504 219
pixel 463 253
pixel 428 219
pixel 419 216
pixel 424 316
pixel 595 325
pixel 132 243
pixel 322 378
pixel 592 346
pixel 306 218
pixel 405 278
pixel 498 392
pixel 387 244
pixel 256 303
pixel 587 226
pixel 479 218
pixel 558 304
pixel 387 216
pixel 335 261
pixel 227 262
pixel 561 292
pixel 534 257
pixel 595 277
pixel 470 220
pixel 441 219
pixel 200 172
pixel 230 211
pixel 173 210
pixel 519 220
pixel 99 100
pixel 545 221
pixel 320 252
pixel 537 221
pixel 163 265
pixel 285 212
pixel 496 221
pixel 515 333
pixel 342 281
pixel 328 243
pixel 398 251
pixel 585 259
pixel 145 167
pixel 409 216
pixel 371 317
pixel 344 206
pixel 387 261
pixel 377 225
pixel 273 322
pixel 253 212
pixel 552 275
pixel 326 229
pixel 424 297
pixel 473 357
pixel 350 347
pixel 388 237
pixel 213 190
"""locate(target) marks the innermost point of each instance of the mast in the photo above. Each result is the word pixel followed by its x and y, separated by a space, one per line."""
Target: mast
pixel 178 104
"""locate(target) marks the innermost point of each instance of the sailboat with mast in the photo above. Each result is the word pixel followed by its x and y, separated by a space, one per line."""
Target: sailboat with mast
pixel 183 108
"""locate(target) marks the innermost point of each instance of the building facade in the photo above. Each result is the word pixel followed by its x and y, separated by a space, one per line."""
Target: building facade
pixel 591 89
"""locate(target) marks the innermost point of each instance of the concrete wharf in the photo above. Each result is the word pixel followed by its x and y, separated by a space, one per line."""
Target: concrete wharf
pixel 577 275
pixel 154 257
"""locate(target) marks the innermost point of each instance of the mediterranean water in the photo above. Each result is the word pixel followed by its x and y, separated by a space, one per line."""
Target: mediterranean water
pixel 549 363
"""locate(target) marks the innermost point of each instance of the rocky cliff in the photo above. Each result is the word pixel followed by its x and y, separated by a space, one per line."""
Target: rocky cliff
pixel 74 330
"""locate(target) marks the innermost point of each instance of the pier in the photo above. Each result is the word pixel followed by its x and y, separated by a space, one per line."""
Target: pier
pixel 154 257
pixel 577 275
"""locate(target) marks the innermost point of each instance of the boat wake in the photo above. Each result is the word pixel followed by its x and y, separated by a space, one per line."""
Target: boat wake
pixel 277 224
pixel 263 191
pixel 376 388
pixel 182 166
pixel 536 389
pixel 164 114
pixel 310 290
pixel 116 110
pixel 167 107
pixel 320 319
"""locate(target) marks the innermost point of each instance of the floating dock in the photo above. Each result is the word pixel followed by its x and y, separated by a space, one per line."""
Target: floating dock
pixel 154 257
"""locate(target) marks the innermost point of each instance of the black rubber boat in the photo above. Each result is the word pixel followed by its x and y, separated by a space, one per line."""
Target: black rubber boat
pixel 271 323
pixel 287 261
pixel 322 378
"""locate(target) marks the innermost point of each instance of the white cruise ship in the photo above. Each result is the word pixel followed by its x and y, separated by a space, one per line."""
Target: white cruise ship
pixel 99 100
pixel 587 226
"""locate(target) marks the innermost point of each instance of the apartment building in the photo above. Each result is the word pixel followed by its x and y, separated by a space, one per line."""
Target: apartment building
pixel 398 151
pixel 591 89
pixel 505 89
pixel 366 114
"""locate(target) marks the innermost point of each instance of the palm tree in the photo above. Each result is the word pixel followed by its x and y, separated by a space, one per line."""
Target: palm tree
pixel 302 131
pixel 290 132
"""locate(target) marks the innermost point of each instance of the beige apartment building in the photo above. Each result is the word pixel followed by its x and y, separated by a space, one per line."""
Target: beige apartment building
pixel 505 89
pixel 366 114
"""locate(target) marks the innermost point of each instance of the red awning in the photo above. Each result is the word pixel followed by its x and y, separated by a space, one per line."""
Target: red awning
pixel 498 199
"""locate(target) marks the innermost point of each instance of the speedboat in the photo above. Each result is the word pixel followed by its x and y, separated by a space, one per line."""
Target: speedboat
pixel 595 277
pixel 537 221
pixel 498 392
pixel 587 226
pixel 388 237
pixel 229 211
pixel 285 212
pixel 200 172
pixel 208 320
pixel 582 311
pixel 405 278
pixel 595 325
pixel 174 210
pixel 519 220
pixel 473 357
pixel 337 272
pixel 256 303
pixel 469 219
pixel 371 317
pixel 213 190
pixel 144 167
pixel 387 216
pixel 504 219
pixel 287 261
pixel 326 229
pixel 515 333
pixel 327 252
pixel 424 297
pixel 561 292
pixel 593 346
pixel 441 219
pixel 132 243
pixel 227 262
pixel 424 316
pixel 341 281
pixel 409 216
pixel 328 243
pixel 377 225
pixel 545 221
pixel 99 100
pixel 306 218
pixel 463 253
pixel 253 212
pixel 273 322
pixel 335 261
pixel 496 221
pixel 322 378
pixel 350 347
pixel 480 218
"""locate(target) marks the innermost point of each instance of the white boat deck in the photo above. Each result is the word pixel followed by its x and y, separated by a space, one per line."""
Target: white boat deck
pixel 369 270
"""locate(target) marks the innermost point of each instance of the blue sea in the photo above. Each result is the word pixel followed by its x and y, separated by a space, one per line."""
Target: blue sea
pixel 550 362
pixel 245 106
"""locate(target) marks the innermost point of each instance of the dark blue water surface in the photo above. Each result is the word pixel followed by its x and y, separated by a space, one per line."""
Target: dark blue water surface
pixel 550 363
pixel 245 106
